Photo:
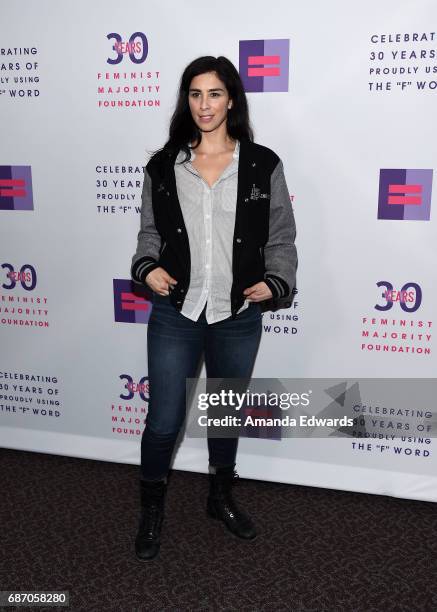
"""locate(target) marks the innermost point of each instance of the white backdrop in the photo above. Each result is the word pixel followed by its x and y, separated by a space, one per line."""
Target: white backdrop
pixel 66 357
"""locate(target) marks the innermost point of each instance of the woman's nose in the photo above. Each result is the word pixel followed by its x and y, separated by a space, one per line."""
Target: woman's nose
pixel 204 103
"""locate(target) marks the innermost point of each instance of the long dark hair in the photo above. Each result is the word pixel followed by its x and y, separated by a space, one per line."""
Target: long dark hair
pixel 182 127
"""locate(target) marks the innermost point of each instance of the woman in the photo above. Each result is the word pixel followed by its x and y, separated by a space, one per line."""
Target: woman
pixel 216 247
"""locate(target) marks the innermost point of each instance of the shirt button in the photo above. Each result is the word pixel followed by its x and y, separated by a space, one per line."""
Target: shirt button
pixel 207 266
pixel 207 216
pixel 208 240
pixel 253 165
pixel 167 192
pixel 179 230
pixel 238 239
pixel 246 199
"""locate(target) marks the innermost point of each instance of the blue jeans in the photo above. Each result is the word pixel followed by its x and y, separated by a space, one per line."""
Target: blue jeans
pixel 175 347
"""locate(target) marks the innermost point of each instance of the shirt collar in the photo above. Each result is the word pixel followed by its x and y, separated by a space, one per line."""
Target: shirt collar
pixel 181 154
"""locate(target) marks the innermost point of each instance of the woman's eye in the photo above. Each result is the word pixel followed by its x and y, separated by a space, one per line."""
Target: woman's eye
pixel 214 94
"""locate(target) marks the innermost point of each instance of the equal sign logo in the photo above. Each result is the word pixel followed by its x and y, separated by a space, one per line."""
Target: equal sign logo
pixel 128 306
pixel 16 188
pixel 264 64
pixel 405 195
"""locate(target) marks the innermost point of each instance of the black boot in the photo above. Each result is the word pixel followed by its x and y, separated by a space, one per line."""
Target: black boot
pixel 147 542
pixel 222 506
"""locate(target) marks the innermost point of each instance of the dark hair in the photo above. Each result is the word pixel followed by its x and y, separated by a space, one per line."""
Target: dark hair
pixel 182 127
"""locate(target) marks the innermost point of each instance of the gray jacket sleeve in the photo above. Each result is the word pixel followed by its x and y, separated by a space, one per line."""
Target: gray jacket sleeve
pixel 280 253
pixel 149 240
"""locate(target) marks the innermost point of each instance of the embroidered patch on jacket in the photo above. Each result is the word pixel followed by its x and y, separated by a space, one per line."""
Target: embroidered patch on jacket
pixel 256 194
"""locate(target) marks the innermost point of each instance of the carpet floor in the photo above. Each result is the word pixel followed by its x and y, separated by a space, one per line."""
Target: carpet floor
pixel 70 524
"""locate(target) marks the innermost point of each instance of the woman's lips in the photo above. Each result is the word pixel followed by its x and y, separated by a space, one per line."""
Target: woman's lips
pixel 206 118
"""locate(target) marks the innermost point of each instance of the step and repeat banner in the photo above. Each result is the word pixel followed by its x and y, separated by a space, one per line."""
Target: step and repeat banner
pixel 345 95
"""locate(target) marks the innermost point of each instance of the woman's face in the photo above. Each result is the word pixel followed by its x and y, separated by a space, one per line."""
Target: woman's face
pixel 209 101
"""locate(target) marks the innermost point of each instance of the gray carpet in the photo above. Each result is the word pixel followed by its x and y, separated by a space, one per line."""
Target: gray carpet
pixel 70 524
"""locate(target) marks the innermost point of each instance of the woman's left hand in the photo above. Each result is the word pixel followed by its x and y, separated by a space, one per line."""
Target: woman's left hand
pixel 258 292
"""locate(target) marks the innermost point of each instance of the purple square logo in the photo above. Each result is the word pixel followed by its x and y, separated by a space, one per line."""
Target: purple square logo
pixel 405 195
pixel 16 188
pixel 264 64
pixel 129 307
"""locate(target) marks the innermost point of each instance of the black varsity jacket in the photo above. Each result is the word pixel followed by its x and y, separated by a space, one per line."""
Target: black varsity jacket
pixel 264 232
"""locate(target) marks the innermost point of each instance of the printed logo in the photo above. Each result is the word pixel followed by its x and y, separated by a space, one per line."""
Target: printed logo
pixel 129 307
pixel 405 194
pixel 124 81
pixel 24 278
pixel 264 64
pixel 397 326
pixel 16 188
pixel 256 194
pixel 22 305
pixel 128 413
pixel 409 296
pixel 137 50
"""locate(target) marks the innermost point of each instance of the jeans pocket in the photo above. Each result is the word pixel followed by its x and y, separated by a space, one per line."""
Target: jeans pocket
pixel 253 311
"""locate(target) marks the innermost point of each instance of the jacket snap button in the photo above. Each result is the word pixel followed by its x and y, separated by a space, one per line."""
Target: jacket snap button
pixel 246 199
pixel 179 230
pixel 238 239
pixel 178 302
pixel 167 192
pixel 253 165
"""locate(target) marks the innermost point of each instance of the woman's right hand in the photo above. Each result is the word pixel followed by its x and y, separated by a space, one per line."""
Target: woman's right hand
pixel 160 281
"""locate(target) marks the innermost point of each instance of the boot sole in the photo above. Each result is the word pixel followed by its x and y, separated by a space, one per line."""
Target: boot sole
pixel 146 559
pixel 149 560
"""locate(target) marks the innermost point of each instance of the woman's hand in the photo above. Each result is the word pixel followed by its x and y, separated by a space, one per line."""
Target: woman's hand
pixel 160 281
pixel 258 292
